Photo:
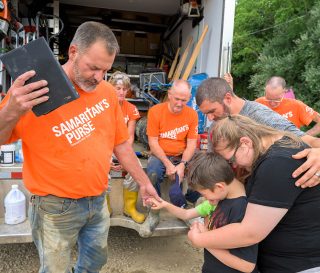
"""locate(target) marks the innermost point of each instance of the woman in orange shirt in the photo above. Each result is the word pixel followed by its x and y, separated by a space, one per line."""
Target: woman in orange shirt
pixel 122 85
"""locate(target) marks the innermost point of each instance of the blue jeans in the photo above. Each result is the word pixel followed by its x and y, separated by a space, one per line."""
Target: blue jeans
pixel 156 170
pixel 59 223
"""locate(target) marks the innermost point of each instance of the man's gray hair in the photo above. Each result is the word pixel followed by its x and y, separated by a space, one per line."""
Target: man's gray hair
pixel 176 83
pixel 90 32
pixel 213 89
pixel 276 81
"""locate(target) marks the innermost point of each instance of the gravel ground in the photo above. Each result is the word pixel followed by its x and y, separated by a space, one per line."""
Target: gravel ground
pixel 128 253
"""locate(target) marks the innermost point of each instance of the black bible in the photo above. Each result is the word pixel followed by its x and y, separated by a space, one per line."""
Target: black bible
pixel 38 56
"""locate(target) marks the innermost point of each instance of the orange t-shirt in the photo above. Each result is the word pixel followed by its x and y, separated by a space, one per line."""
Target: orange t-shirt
pixel 129 111
pixel 172 130
pixel 67 152
pixel 296 111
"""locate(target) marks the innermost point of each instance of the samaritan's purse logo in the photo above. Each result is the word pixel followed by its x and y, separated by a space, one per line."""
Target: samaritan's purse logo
pixel 80 127
pixel 172 134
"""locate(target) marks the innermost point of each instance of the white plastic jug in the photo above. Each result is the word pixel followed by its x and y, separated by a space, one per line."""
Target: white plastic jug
pixel 15 206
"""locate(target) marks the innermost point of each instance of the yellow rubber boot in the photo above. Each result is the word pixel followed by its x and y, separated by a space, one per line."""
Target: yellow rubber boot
pixel 130 200
pixel 109 204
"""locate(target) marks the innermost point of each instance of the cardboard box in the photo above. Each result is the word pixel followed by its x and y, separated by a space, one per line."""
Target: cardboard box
pixel 141 45
pixel 153 43
pixel 135 68
pixel 127 42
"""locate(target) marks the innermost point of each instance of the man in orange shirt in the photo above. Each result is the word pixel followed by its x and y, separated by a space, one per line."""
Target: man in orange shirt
pixel 296 111
pixel 67 154
pixel 172 131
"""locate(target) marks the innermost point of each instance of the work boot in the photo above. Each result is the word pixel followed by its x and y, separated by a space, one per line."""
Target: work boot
pixel 151 222
pixel 109 204
pixel 153 218
pixel 130 200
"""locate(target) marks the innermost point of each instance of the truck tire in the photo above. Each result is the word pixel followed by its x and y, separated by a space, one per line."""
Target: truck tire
pixel 141 131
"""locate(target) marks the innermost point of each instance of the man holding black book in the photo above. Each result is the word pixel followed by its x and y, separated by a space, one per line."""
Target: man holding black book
pixel 67 154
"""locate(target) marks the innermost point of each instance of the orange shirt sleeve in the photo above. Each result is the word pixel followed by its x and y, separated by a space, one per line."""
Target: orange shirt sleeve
pixel 306 113
pixel 133 112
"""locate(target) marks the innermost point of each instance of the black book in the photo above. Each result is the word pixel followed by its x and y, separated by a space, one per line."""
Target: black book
pixel 38 56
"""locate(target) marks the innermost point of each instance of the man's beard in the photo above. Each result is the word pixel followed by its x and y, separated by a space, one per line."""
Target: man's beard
pixel 226 111
pixel 84 84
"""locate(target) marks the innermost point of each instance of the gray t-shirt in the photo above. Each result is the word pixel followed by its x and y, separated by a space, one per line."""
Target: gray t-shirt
pixel 264 115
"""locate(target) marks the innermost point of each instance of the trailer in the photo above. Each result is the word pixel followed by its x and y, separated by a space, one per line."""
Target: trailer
pixel 21 233
pixel 191 36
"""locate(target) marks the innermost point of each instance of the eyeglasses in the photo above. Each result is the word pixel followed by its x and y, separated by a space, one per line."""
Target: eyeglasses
pixel 274 100
pixel 232 159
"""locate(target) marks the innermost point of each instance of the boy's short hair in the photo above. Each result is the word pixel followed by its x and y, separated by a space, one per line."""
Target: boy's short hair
pixel 206 169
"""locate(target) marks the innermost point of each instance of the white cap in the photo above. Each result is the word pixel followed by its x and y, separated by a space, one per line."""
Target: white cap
pixel 8 148
pixel 14 186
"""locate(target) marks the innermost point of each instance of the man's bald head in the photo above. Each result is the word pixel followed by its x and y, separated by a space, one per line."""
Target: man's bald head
pixel 181 86
pixel 178 95
pixel 276 83
pixel 274 91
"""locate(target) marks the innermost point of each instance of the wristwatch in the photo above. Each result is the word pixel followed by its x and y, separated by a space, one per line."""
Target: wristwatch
pixel 184 162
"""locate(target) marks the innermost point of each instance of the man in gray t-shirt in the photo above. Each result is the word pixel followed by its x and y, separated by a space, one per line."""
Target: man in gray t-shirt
pixel 216 99
pixel 266 116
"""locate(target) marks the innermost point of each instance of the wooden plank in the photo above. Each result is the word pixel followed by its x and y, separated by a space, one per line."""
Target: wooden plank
pixel 162 63
pixel 195 54
pixel 182 61
pixel 174 64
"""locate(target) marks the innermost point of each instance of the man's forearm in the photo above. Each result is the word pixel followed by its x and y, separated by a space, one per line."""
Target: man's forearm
pixel 7 124
pixel 157 151
pixel 311 141
pixel 314 131
pixel 186 156
pixel 190 149
pixel 126 156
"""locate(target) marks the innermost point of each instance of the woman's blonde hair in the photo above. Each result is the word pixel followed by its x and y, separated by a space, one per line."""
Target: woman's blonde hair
pixel 119 77
pixel 232 128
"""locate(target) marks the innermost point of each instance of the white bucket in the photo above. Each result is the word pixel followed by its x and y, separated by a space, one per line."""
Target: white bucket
pixel 15 206
pixel 7 155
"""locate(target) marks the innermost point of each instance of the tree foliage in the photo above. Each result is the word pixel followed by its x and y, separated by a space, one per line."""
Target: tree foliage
pixel 283 41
